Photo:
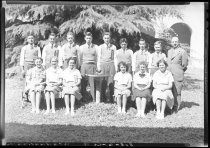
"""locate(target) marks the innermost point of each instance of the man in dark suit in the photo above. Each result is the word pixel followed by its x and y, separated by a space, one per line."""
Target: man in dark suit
pixel 177 64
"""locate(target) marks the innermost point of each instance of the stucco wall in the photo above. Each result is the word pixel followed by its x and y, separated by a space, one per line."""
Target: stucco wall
pixel 193 16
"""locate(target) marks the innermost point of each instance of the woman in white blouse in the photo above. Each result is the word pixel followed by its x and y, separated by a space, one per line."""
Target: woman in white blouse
pixel 71 83
pixel 53 81
pixel 122 86
pixel 162 94
pixel 141 91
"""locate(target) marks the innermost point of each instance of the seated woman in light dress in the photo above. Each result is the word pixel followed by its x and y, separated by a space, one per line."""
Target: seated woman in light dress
pixel 35 80
pixel 53 81
pixel 122 86
pixel 71 85
pixel 162 94
pixel 141 91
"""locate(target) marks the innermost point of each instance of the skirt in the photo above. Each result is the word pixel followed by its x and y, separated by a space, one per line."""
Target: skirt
pixel 142 93
pixel 54 89
pixel 32 88
pixel 88 68
pixel 126 92
pixel 27 66
pixel 69 90
pixel 163 95
pixel 108 69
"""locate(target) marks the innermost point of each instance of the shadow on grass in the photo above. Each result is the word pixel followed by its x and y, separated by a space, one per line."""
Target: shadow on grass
pixel 16 132
pixel 186 104
pixel 190 83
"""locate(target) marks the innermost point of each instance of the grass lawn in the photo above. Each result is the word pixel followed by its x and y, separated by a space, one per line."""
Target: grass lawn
pixel 100 123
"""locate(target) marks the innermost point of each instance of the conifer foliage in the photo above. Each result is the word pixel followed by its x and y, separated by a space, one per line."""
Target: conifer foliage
pixel 120 20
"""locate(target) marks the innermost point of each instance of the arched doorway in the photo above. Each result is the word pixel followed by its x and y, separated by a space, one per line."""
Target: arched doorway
pixel 184 33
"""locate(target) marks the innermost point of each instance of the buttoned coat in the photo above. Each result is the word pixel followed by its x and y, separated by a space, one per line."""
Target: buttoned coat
pixel 177 63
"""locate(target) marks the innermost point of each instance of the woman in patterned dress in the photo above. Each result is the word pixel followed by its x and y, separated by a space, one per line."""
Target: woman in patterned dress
pixel 35 80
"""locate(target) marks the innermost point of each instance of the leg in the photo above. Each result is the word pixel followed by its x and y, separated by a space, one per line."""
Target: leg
pixel 143 106
pixel 124 103
pixel 111 91
pixel 163 107
pixel 119 102
pixel 33 101
pixel 98 91
pixel 38 99
pixel 177 88
pixel 92 88
pixel 158 103
pixel 47 98
pixel 83 86
pixel 138 105
pixel 53 101
pixel 72 104
pixel 66 98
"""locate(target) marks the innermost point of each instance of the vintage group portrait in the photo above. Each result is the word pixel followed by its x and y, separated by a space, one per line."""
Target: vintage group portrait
pixel 113 73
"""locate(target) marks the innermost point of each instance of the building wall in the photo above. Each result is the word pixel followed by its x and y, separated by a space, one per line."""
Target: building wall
pixel 193 16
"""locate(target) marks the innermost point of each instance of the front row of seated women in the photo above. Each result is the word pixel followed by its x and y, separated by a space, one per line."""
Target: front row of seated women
pixel 161 95
pixel 55 80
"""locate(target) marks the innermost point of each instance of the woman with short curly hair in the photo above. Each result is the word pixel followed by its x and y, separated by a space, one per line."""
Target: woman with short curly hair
pixel 122 86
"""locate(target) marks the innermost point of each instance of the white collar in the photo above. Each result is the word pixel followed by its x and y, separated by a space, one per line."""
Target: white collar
pixel 91 45
pixel 108 46
pixel 70 44
pixel 29 46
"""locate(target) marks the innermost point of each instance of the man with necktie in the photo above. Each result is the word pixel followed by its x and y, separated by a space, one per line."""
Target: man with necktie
pixel 50 50
pixel 68 50
pixel 177 64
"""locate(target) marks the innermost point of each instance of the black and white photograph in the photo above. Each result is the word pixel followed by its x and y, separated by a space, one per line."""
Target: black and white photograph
pixel 112 73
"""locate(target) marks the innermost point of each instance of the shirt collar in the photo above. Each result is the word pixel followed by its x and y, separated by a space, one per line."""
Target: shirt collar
pixel 157 53
pixel 54 45
pixel 165 73
pixel 70 44
pixel 91 45
pixel 29 46
pixel 107 46
pixel 143 51
pixel 123 50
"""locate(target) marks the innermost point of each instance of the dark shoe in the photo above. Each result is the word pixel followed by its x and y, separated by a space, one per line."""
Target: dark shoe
pixel 170 111
pixel 175 109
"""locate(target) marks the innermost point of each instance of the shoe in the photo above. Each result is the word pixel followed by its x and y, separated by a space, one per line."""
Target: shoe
pixel 157 115
pixel 33 111
pixel 176 109
pixel 37 111
pixel 53 111
pixel 47 112
pixel 123 111
pixel 119 111
pixel 138 115
pixel 72 113
pixel 67 112
pixel 143 115
pixel 161 116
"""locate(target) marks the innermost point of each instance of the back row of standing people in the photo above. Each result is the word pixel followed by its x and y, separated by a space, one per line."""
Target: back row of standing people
pixel 105 58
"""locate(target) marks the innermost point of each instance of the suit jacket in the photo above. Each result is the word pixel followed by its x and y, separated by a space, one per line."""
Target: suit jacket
pixel 177 63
